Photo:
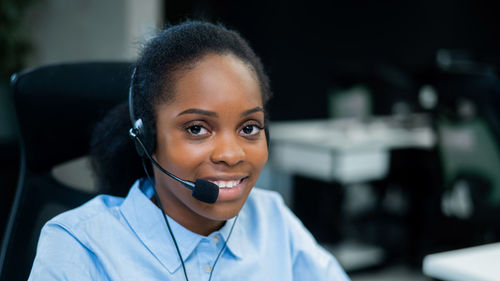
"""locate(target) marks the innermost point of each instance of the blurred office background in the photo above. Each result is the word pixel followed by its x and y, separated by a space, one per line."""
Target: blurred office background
pixel 414 84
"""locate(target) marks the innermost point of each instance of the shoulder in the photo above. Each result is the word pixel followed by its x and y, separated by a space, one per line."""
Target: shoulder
pixel 62 242
pixel 84 224
pixel 75 228
pixel 80 223
pixel 99 206
pixel 310 261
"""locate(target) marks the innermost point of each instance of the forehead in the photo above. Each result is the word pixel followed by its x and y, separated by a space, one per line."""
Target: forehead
pixel 217 79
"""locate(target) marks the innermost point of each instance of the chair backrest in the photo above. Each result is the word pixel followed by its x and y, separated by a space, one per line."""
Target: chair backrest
pixel 57 107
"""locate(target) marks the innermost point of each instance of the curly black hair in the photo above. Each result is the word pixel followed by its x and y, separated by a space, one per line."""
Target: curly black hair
pixel 174 50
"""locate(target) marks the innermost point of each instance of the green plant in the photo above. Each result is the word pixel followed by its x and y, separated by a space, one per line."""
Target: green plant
pixel 14 45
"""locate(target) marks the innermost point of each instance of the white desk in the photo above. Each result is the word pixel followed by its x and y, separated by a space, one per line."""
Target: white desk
pixel 481 263
pixel 348 150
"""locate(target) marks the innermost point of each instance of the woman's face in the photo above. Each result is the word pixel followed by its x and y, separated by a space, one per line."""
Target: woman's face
pixel 212 129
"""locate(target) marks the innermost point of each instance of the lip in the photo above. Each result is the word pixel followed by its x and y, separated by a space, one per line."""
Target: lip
pixel 229 193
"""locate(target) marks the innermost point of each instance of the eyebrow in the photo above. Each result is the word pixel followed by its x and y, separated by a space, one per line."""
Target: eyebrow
pixel 214 114
pixel 198 111
pixel 256 109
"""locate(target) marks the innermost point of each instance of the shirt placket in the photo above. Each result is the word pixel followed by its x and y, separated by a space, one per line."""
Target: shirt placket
pixel 208 250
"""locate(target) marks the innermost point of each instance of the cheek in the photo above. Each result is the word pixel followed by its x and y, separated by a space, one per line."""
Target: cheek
pixel 181 157
pixel 258 156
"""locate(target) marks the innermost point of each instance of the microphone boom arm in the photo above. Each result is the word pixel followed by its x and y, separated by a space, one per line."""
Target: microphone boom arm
pixel 189 185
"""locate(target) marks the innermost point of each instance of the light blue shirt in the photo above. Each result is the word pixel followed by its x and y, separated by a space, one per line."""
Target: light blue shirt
pixel 113 238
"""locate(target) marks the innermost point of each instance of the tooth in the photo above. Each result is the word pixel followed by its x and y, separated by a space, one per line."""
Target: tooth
pixel 226 184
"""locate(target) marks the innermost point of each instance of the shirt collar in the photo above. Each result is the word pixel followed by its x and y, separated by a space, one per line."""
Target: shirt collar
pixel 147 221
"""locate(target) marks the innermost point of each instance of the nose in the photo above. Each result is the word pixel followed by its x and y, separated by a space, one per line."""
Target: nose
pixel 227 150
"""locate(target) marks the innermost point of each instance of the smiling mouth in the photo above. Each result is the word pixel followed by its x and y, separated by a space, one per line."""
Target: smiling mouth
pixel 227 183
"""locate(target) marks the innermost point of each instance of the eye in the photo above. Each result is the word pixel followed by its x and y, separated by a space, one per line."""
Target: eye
pixel 251 130
pixel 197 130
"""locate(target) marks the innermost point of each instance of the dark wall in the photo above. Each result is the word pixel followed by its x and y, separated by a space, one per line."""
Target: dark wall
pixel 309 47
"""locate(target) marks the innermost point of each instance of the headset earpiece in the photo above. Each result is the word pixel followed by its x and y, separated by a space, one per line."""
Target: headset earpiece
pixel 139 126
pixel 136 132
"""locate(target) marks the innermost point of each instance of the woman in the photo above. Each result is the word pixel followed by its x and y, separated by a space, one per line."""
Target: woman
pixel 197 102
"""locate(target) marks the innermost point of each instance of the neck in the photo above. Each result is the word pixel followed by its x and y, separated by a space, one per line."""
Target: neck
pixel 187 218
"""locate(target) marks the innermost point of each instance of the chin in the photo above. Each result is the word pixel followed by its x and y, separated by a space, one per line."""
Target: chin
pixel 221 211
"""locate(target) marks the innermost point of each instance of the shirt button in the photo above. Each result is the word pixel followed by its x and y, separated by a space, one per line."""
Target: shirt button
pixel 208 268
pixel 216 239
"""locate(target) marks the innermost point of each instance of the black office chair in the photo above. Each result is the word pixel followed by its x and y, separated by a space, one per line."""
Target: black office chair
pixel 57 107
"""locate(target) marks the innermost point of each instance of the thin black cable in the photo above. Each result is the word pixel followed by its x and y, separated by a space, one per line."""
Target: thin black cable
pixel 166 220
pixel 172 234
pixel 223 247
